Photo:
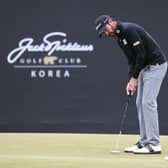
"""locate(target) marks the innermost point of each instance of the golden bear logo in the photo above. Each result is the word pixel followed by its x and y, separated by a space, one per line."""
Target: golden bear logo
pixel 50 60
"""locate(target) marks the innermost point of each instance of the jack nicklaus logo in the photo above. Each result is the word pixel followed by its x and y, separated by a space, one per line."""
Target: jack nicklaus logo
pixel 54 42
pixel 48 46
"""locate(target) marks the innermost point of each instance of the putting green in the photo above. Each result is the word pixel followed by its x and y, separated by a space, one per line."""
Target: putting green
pixel 20 150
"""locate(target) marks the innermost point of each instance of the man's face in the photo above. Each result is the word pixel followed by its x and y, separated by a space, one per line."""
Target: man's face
pixel 110 29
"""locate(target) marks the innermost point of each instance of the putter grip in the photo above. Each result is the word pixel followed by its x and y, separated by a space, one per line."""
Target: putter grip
pixel 129 93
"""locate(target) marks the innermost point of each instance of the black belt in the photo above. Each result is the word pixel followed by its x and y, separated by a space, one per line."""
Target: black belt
pixel 158 63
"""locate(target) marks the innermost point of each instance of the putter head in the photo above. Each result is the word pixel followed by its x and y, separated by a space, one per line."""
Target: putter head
pixel 115 151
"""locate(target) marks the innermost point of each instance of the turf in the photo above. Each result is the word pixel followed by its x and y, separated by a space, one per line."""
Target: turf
pixel 74 151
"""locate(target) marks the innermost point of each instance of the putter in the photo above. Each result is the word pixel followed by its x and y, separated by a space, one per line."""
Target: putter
pixel 116 149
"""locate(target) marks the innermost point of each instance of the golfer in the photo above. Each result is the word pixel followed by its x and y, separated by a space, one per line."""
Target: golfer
pixel 147 69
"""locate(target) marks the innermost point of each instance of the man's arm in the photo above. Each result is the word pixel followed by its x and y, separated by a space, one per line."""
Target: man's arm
pixel 138 47
pixel 139 50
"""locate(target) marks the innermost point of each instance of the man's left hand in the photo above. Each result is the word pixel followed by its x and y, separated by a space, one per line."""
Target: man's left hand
pixel 132 85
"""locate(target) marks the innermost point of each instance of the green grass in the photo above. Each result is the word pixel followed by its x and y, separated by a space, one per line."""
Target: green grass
pixel 74 151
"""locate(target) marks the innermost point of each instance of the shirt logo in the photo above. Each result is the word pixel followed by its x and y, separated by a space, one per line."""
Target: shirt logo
pixel 136 43
pixel 125 41
pixel 117 31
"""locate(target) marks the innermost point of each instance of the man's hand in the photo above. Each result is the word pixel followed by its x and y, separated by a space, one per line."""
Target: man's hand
pixel 131 86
